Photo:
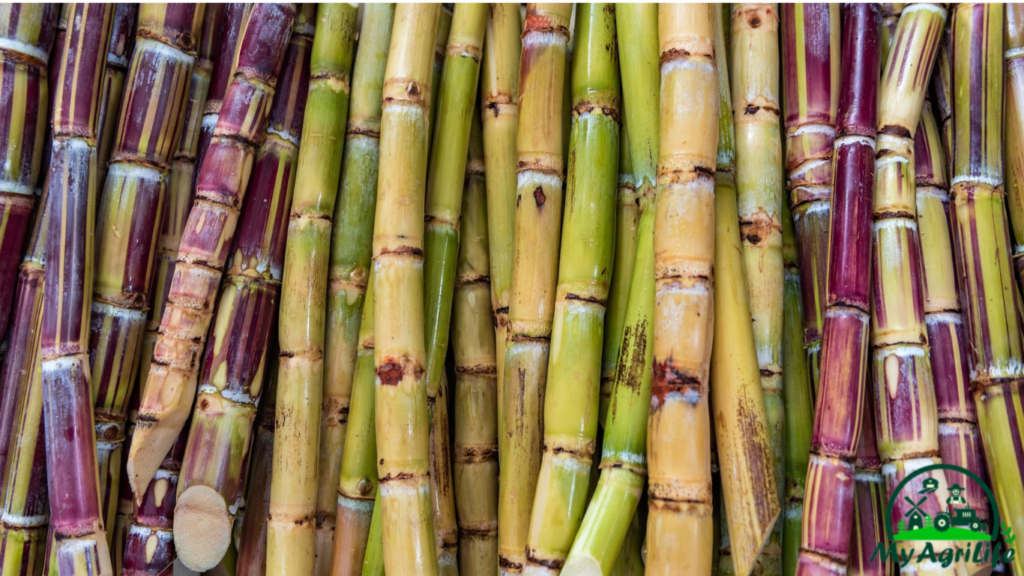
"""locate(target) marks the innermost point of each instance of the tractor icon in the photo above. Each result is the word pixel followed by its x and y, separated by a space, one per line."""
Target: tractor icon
pixel 960 517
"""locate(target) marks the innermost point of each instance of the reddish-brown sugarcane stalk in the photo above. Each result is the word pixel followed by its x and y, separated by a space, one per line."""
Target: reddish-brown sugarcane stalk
pixel 119 52
pixel 26 34
pixel 210 486
pixel 991 298
pixel 869 505
pixel 959 439
pixel 252 534
pixel 130 208
pixel 73 488
pixel 810 85
pixel 206 241
pixel 829 493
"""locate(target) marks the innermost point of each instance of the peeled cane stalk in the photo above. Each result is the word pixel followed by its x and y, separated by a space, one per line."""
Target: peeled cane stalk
pixel 293 518
pixel 119 53
pixel 252 537
pixel 798 392
pixel 446 177
pixel 810 83
pixel 351 248
pixel 538 221
pixel 1014 128
pixel 829 504
pixel 76 515
pixel 992 302
pixel 476 401
pixel 207 239
pixel 24 516
pixel 352 236
pixel 402 421
pixel 210 487
pixel 27 33
pixel 499 107
pixel 130 211
pixel 902 375
pixel 638 57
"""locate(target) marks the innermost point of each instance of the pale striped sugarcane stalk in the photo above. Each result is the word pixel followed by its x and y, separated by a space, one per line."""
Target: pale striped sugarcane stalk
pixel 349 274
pixel 1014 127
pixel 810 84
pixel 445 181
pixel 829 505
pixel 357 483
pixel 225 56
pixel 942 84
pixel 499 107
pixel 538 222
pixel 402 421
pixel 210 487
pixel 890 17
pixel 207 239
pixel 603 545
pixel 476 401
pixel 638 57
pixel 992 302
pixel 73 486
pixel 755 104
pixel 130 210
pixel 293 517
pixel 444 27
pixel 23 517
pixel 588 245
pixel 899 357
pixel 959 439
pixel 797 389
pixel 351 246
pixel 869 512
pixel 119 53
pixel 252 534
pixel 26 35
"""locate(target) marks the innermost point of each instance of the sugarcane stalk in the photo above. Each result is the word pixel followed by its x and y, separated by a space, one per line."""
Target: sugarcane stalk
pixel 225 58
pixel 810 84
pixel 207 239
pixel 899 358
pixel 572 397
pixel 402 422
pixel 73 486
pixel 829 505
pixel 959 438
pixel 890 18
pixel 538 221
pixel 210 487
pixel 125 498
pixel 446 530
pixel 373 561
pixel 755 82
pixel 1014 79
pixel 130 211
pixel 475 468
pixel 26 35
pixel 869 515
pixel 252 536
pixel 797 388
pixel 351 248
pixel 119 54
pixel 445 182
pixel 293 517
pixel 444 27
pixel 357 483
pixel 500 116
pixel 942 90
pixel 992 301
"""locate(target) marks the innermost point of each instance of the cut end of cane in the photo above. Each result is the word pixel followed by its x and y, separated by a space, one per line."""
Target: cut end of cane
pixel 151 442
pixel 745 560
pixel 578 565
pixel 202 528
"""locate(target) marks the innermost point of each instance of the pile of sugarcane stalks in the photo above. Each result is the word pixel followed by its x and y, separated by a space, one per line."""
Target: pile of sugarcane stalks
pixel 592 289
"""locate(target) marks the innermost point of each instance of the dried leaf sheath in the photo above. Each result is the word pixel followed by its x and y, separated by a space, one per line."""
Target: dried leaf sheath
pixel 991 299
pixel 829 505
pixel 74 493
pixel 233 369
pixel 26 35
pixel 538 221
pixel 810 82
pixel 402 423
pixel 206 241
